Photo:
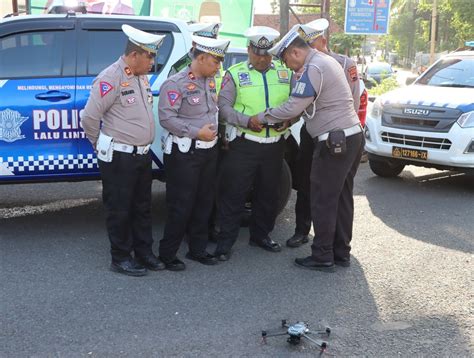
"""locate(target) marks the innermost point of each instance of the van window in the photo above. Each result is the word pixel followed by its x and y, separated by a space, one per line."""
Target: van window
pixel 102 48
pixel 33 54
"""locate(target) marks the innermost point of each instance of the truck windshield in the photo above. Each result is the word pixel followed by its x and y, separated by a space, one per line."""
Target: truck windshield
pixel 452 72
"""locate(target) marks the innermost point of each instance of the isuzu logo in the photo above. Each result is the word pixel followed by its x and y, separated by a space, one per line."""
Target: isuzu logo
pixel 416 112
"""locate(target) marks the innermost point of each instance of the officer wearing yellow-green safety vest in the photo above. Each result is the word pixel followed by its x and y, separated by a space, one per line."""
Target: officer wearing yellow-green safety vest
pixel 209 30
pixel 255 156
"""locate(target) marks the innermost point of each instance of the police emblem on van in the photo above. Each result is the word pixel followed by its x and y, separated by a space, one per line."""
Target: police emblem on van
pixel 10 122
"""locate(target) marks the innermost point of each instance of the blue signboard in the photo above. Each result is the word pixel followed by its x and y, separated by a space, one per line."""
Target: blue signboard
pixel 367 17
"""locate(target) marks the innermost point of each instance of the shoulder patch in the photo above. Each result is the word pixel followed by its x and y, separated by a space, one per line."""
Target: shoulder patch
pixel 173 96
pixel 105 88
pixel 303 87
pixel 352 71
pixel 225 81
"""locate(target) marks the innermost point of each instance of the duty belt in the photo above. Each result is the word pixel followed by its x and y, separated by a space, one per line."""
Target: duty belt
pixel 133 149
pixel 254 138
pixel 348 132
pixel 198 144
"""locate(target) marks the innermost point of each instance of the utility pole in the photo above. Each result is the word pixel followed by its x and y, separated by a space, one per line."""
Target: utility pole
pixel 15 7
pixel 284 16
pixel 433 31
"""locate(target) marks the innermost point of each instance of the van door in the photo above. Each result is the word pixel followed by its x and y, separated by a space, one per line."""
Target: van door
pixel 37 94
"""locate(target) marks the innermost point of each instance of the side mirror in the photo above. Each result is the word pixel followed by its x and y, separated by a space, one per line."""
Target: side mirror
pixel 410 80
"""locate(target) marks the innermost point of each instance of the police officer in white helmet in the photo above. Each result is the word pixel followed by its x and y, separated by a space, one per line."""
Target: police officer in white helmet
pixel 118 120
pixel 323 98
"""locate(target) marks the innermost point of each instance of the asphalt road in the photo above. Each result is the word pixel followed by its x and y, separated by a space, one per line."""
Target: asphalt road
pixel 408 292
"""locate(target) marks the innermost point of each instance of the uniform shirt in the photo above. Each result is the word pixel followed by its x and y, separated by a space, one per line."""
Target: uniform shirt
pixel 187 103
pixel 124 104
pixel 227 96
pixel 352 77
pixel 323 82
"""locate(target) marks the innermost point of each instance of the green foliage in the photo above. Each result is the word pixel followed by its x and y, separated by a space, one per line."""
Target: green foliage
pixel 410 26
pixel 387 84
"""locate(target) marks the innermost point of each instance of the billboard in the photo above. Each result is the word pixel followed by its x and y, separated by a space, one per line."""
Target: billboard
pixel 367 17
pixel 235 15
pixel 123 7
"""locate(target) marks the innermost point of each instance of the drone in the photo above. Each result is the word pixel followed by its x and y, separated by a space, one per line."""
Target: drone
pixel 296 332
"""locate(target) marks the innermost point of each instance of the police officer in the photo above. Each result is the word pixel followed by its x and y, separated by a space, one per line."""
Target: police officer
pixel 323 97
pixel 209 30
pixel 255 155
pixel 313 34
pixel 121 101
pixel 188 111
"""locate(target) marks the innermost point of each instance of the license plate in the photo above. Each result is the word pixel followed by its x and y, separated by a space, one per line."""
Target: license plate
pixel 399 152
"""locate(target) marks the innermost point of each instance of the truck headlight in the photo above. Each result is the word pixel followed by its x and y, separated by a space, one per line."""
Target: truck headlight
pixel 466 120
pixel 376 111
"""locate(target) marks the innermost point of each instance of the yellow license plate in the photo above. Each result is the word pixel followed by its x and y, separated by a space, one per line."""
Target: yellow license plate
pixel 399 152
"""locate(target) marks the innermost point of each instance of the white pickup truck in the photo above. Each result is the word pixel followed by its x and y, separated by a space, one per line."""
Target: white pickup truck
pixel 429 123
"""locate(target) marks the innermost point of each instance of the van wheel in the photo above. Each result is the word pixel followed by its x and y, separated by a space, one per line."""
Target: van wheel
pixel 386 169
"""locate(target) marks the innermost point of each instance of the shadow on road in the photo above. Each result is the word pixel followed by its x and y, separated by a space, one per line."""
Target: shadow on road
pixel 434 208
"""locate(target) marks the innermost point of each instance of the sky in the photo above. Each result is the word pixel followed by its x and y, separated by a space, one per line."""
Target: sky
pixel 262 6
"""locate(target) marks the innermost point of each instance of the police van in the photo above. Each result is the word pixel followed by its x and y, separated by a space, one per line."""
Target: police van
pixel 47 65
pixel 429 123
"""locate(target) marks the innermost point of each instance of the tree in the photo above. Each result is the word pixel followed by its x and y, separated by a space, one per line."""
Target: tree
pixel 410 26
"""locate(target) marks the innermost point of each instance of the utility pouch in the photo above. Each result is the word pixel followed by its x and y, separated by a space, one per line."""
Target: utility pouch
pixel 336 142
pixel 105 148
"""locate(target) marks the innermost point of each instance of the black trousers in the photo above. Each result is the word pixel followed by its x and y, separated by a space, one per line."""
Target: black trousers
pixel 332 203
pixel 126 193
pixel 248 164
pixel 303 171
pixel 190 189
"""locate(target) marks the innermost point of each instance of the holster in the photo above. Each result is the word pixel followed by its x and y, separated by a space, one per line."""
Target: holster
pixel 336 142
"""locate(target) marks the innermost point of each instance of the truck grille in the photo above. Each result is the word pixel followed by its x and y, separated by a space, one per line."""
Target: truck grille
pixel 437 120
pixel 416 141
pixel 415 122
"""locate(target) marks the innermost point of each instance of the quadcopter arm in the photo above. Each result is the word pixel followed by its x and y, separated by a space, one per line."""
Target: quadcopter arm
pixel 265 334
pixel 318 342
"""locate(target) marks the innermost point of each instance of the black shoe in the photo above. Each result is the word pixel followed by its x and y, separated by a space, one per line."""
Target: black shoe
pixel 343 262
pixel 174 264
pixel 266 244
pixel 205 259
pixel 128 267
pixel 310 263
pixel 223 257
pixel 151 262
pixel 297 240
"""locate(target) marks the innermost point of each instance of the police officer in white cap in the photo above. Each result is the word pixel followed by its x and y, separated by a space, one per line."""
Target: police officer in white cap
pixel 119 122
pixel 209 30
pixel 323 97
pixel 188 111
pixel 255 155
pixel 314 34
